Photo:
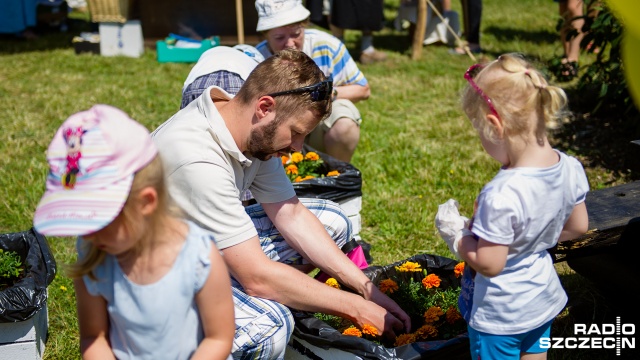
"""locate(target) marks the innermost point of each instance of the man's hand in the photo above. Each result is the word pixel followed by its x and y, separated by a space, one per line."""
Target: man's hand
pixel 400 318
pixel 382 319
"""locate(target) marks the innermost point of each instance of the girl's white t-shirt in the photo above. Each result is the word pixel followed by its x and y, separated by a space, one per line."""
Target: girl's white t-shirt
pixel 526 209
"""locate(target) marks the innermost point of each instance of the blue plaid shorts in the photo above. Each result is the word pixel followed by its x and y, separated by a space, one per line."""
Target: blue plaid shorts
pixel 263 327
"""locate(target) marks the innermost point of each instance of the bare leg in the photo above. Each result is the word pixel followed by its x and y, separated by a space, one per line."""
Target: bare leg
pixel 570 10
pixel 341 140
pixel 529 356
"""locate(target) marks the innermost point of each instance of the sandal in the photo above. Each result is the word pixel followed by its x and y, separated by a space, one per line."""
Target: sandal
pixel 564 69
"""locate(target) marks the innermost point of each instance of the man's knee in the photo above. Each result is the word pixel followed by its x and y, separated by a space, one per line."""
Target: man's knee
pixel 345 131
pixel 333 218
pixel 265 336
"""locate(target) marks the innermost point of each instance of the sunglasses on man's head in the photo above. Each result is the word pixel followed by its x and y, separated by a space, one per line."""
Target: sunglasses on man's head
pixel 469 75
pixel 319 92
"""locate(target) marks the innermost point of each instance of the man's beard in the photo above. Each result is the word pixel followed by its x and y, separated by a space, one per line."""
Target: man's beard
pixel 260 142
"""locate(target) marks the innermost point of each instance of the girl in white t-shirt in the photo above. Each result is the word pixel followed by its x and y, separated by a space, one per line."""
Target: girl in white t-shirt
pixel 535 200
pixel 149 285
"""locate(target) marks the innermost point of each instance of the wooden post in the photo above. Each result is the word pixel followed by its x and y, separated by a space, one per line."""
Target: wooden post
pixel 240 21
pixel 418 35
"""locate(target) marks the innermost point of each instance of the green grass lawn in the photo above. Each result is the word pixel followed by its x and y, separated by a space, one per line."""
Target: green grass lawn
pixel 416 151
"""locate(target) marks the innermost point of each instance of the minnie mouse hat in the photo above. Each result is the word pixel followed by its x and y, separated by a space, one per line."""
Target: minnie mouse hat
pixel 92 160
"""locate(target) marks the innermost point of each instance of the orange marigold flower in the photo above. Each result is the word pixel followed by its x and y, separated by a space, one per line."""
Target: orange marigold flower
pixel 388 286
pixel 404 339
pixel 459 269
pixel 296 157
pixel 298 179
pixel 352 331
pixel 333 283
pixel 453 315
pixel 308 177
pixel 409 267
pixel 284 159
pixel 311 156
pixel 369 330
pixel 291 169
pixel 433 314
pixel 333 173
pixel 426 331
pixel 431 281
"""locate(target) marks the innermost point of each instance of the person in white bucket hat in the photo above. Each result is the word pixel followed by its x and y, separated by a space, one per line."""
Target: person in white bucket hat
pixel 283 24
pixel 148 284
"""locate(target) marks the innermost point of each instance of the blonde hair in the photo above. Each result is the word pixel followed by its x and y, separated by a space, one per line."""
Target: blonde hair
pixel 516 91
pixel 152 175
pixel 288 69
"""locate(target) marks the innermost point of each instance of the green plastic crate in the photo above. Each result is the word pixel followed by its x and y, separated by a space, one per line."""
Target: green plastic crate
pixel 169 53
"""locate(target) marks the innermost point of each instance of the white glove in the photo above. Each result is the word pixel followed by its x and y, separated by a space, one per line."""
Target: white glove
pixel 451 225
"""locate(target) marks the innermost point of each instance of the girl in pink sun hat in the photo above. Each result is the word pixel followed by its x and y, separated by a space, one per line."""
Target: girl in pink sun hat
pixel 149 285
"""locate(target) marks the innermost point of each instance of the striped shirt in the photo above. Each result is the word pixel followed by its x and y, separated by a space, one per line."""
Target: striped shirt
pixel 331 56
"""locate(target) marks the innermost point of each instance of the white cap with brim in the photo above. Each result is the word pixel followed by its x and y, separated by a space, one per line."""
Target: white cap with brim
pixel 276 13
pixel 92 161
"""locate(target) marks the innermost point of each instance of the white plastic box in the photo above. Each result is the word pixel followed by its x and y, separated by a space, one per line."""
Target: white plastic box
pixel 352 207
pixel 24 340
pixel 121 39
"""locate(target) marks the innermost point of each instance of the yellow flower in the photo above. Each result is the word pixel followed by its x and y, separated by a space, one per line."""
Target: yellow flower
pixel 459 269
pixel 388 286
pixel 433 314
pixel 291 169
pixel 404 339
pixel 369 330
pixel 284 159
pixel 352 331
pixel 333 283
pixel 426 331
pixel 311 156
pixel 296 157
pixel 300 178
pixel 333 173
pixel 453 315
pixel 409 267
pixel 431 281
pixel 63 288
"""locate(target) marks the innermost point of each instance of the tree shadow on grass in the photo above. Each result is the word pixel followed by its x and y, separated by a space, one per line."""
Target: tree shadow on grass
pixel 48 38
pixel 505 33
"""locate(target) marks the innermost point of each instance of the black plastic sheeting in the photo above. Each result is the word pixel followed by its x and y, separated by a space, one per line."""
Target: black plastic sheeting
pixel 318 333
pixel 27 296
pixel 335 188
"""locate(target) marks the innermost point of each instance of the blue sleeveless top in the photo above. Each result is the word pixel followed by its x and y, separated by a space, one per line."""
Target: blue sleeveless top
pixel 159 320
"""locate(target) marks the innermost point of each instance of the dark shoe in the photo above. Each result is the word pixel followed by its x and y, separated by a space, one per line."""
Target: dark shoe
pixel 564 70
pixel 371 57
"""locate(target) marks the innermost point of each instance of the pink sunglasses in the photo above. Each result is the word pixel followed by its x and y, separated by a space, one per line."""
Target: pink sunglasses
pixel 469 77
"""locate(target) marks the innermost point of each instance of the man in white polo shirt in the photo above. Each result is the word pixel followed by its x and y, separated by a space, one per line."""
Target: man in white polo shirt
pixel 220 145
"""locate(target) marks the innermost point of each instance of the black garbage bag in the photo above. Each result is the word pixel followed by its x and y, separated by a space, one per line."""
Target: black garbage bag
pixel 27 296
pixel 335 188
pixel 320 334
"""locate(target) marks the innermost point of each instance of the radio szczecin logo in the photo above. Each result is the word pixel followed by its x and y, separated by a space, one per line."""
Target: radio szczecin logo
pixel 616 336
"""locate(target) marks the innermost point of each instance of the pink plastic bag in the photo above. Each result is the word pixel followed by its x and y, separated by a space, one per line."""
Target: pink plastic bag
pixel 357 257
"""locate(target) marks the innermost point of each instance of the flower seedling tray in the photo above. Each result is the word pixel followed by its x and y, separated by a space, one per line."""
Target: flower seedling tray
pixel 314 339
